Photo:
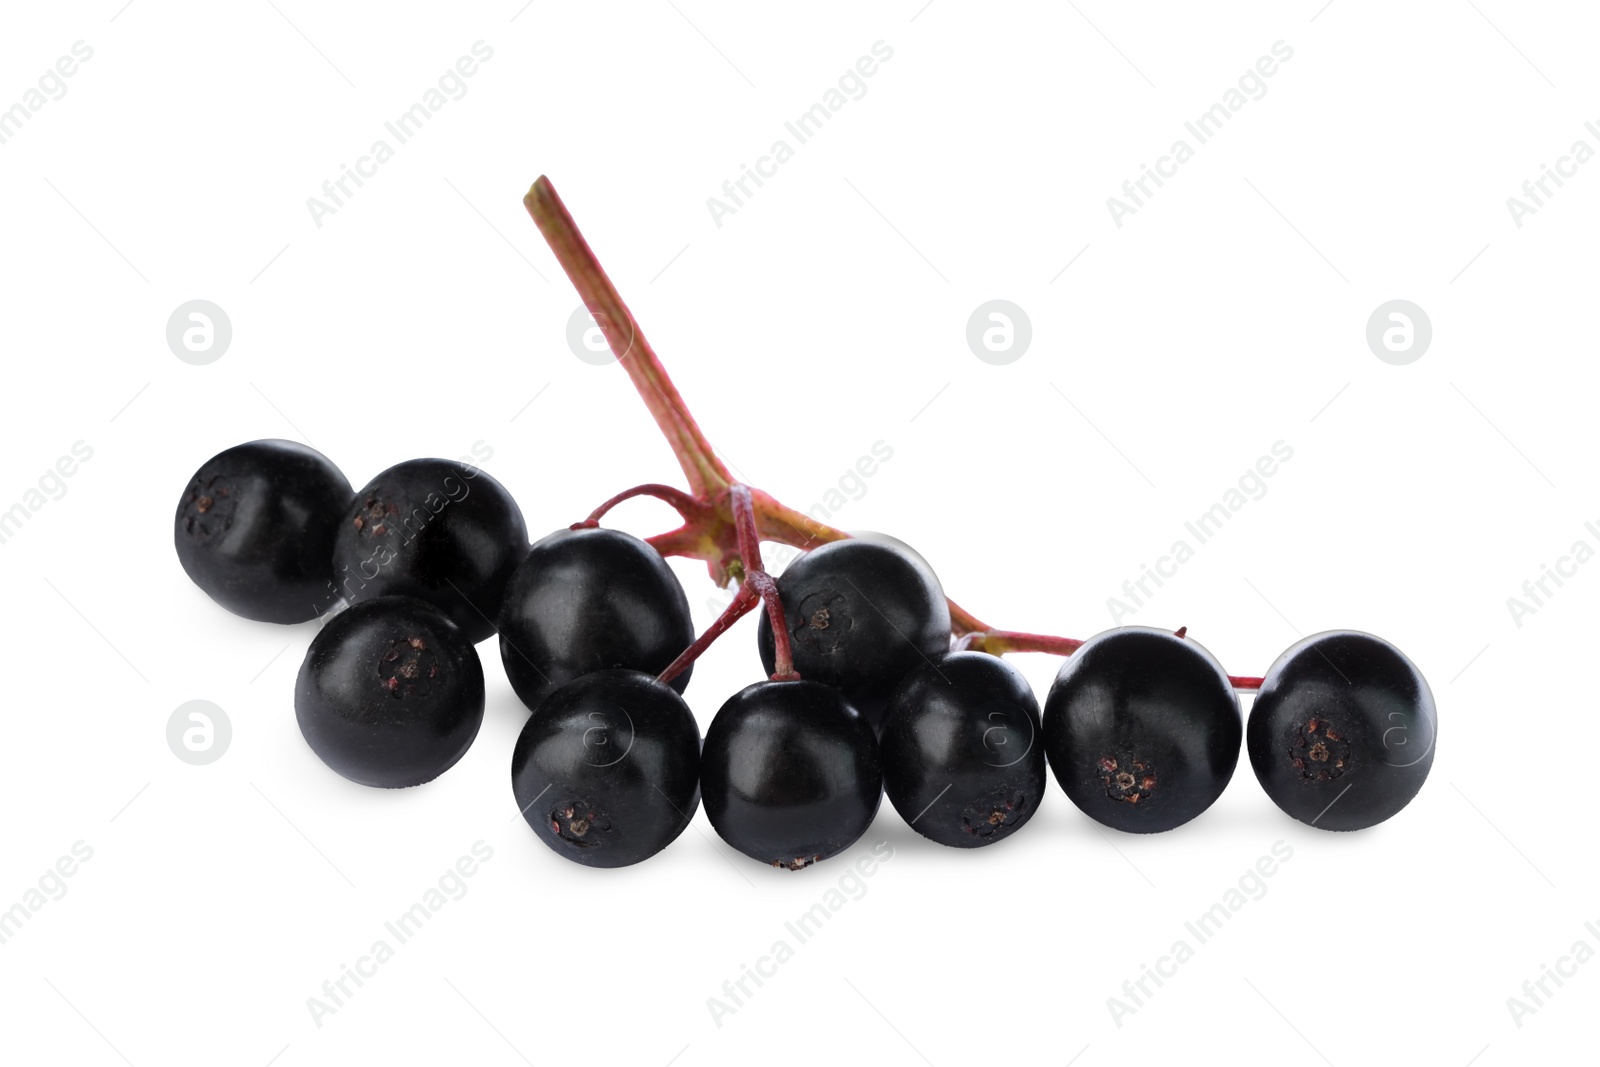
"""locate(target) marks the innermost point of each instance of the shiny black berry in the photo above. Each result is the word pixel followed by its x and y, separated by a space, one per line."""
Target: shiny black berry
pixel 255 529
pixel 1142 729
pixel 606 769
pixel 963 759
pixel 436 529
pixel 390 693
pixel 861 616
pixel 587 600
pixel 790 773
pixel 1342 732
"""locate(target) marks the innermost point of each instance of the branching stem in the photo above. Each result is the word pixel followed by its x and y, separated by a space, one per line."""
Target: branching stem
pixel 724 521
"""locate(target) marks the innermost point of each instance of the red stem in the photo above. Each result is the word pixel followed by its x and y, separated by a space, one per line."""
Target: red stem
pixel 704 470
pixel 757 578
pixel 687 506
pixel 712 538
pixel 999 642
pixel 757 585
pixel 741 606
pixel 724 522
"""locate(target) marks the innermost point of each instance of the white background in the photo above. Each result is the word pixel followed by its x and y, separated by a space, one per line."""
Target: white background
pixel 828 313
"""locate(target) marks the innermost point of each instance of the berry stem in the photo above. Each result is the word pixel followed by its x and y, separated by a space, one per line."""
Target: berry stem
pixel 757 578
pixel 691 540
pixel 720 515
pixel 758 587
pixel 686 506
pixel 742 605
pixel 999 642
pixel 708 535
pixel 705 472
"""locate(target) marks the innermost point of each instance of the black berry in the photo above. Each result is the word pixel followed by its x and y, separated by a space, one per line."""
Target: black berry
pixel 962 751
pixel 790 773
pixel 255 529
pixel 1342 732
pixel 606 769
pixel 587 600
pixel 390 693
pixel 861 616
pixel 439 530
pixel 1142 729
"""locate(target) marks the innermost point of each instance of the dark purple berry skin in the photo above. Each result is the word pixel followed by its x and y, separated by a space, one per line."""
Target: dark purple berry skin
pixel 861 615
pixel 1342 732
pixel 442 531
pixel 255 529
pixel 390 693
pixel 790 773
pixel 606 770
pixel 1142 729
pixel 589 600
pixel 962 750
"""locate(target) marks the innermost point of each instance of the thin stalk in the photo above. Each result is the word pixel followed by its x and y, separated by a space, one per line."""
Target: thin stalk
pixel 701 466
